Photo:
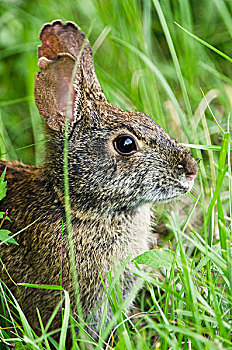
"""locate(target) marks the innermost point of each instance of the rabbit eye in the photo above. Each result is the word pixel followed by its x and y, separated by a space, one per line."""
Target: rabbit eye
pixel 125 145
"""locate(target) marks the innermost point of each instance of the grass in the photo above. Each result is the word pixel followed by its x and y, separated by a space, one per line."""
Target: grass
pixel 162 70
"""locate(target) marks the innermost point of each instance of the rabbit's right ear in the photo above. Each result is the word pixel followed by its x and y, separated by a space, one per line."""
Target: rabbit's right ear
pixel 67 74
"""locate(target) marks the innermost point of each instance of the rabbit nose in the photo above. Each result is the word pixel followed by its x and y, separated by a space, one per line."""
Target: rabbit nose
pixel 191 168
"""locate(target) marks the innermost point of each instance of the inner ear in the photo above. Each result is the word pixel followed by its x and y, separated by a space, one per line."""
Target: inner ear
pixel 55 95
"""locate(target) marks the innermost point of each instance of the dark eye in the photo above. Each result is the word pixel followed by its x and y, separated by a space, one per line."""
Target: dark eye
pixel 125 145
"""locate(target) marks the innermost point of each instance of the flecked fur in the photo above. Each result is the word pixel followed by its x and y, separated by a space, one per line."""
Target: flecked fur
pixel 111 194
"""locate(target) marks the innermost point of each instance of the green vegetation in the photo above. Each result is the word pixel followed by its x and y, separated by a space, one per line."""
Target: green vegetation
pixel 4 234
pixel 144 61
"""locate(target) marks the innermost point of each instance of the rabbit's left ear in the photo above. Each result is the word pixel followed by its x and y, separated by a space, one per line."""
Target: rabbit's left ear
pixel 59 90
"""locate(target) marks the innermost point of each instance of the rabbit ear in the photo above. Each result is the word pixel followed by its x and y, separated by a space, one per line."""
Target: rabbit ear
pixel 64 48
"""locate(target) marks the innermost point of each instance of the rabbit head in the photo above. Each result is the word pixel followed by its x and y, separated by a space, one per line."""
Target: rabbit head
pixel 118 160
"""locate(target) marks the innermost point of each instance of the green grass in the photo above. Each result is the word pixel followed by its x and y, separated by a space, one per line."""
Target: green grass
pixel 144 61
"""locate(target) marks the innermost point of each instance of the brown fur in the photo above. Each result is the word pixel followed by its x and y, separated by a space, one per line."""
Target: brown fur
pixel 111 194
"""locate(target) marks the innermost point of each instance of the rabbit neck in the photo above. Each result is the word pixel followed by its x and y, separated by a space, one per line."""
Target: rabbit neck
pixel 103 244
pixel 107 242
pixel 134 226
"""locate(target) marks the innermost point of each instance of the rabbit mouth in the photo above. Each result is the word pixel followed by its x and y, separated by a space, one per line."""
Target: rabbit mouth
pixel 178 188
pixel 182 187
pixel 187 182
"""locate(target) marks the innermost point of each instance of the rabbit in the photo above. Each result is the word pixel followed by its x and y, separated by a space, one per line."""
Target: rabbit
pixel 119 164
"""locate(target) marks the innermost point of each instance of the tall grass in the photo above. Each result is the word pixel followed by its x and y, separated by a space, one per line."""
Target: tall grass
pixel 144 61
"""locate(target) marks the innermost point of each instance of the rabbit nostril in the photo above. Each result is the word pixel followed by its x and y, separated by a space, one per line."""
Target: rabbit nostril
pixel 180 166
